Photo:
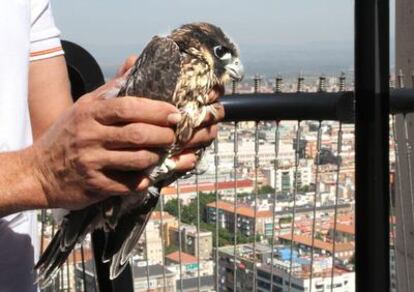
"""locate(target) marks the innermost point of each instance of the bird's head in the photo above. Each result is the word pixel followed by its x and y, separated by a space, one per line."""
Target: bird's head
pixel 208 43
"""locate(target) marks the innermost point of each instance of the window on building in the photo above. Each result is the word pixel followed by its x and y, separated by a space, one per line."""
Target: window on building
pixel 263 275
pixel 277 279
pixel 262 284
pixel 277 289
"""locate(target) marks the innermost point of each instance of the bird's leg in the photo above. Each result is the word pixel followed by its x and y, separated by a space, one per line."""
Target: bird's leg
pixel 154 191
pixel 202 165
pixel 192 116
pixel 158 173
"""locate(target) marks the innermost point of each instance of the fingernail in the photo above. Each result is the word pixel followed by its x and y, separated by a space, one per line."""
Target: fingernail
pixel 174 118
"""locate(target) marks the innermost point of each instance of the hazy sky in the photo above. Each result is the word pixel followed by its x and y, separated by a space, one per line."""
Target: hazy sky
pixel 113 29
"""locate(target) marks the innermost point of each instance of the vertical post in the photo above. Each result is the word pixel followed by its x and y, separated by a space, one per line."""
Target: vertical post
pixel 124 282
pixel 257 83
pixel 322 84
pixel 278 84
pixel 342 80
pixel 404 211
pixel 371 140
pixel 301 80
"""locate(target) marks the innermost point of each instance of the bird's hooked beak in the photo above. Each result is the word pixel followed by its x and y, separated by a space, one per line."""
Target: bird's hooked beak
pixel 235 69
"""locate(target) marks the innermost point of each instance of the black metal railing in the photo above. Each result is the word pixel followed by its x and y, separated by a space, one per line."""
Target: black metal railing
pixel 368 107
pixel 257 107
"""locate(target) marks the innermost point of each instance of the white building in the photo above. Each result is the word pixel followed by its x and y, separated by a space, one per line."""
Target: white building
pixel 344 281
pixel 300 280
pixel 246 153
pixel 284 181
pixel 150 244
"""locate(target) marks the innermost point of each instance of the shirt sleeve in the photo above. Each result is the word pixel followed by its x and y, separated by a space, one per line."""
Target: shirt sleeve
pixel 44 35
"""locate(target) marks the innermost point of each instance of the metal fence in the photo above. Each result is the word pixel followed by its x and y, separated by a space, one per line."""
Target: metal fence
pixel 294 111
pixel 242 261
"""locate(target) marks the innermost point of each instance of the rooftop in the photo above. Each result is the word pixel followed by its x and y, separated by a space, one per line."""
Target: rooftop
pixel 323 245
pixel 185 258
pixel 156 215
pixel 305 273
pixel 242 209
pixel 246 249
pixel 154 271
pixel 206 281
pixel 345 228
pixel 207 187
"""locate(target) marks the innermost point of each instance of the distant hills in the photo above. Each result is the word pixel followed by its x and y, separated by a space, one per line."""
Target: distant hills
pixel 327 58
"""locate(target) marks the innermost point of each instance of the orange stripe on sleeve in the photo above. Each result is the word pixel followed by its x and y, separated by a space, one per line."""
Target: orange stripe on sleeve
pixel 45 52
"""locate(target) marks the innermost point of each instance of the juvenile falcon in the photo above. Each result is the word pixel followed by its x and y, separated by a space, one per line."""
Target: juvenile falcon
pixel 181 69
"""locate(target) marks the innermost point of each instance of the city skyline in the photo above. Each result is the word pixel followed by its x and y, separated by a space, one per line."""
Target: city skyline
pixel 315 37
pixel 275 210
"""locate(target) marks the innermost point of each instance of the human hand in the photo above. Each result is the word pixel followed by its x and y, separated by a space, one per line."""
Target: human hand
pixel 100 147
pixel 202 136
pixel 206 133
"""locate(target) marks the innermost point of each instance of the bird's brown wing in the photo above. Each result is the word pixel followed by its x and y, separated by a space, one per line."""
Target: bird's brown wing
pixel 157 71
pixel 155 75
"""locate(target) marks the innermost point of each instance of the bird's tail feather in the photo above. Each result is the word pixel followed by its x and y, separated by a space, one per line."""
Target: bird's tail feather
pixel 51 260
pixel 120 259
pixel 72 230
pixel 121 255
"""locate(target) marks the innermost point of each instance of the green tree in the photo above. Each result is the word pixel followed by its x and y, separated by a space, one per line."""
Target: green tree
pixel 189 216
pixel 266 190
pixel 171 248
pixel 172 207
pixel 319 236
pixel 305 189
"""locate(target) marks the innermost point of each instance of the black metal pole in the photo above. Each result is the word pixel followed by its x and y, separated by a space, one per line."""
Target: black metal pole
pixel 371 142
pixel 316 106
pixel 123 283
pixel 289 106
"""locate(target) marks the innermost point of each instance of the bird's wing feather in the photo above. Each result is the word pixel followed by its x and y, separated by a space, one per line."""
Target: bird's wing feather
pixel 131 227
pixel 73 229
pixel 156 73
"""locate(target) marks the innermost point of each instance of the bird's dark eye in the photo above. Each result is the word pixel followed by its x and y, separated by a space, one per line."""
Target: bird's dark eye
pixel 222 53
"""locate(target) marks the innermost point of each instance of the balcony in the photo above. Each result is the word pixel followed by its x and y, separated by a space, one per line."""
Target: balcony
pixel 296 255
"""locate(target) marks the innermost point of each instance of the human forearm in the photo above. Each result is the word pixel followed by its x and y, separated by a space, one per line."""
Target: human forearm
pixel 49 93
pixel 20 188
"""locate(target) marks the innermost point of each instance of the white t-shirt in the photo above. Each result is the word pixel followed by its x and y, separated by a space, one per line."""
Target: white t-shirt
pixel 27 33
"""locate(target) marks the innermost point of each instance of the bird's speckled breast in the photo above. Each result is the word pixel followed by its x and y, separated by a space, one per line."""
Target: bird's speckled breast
pixel 195 82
